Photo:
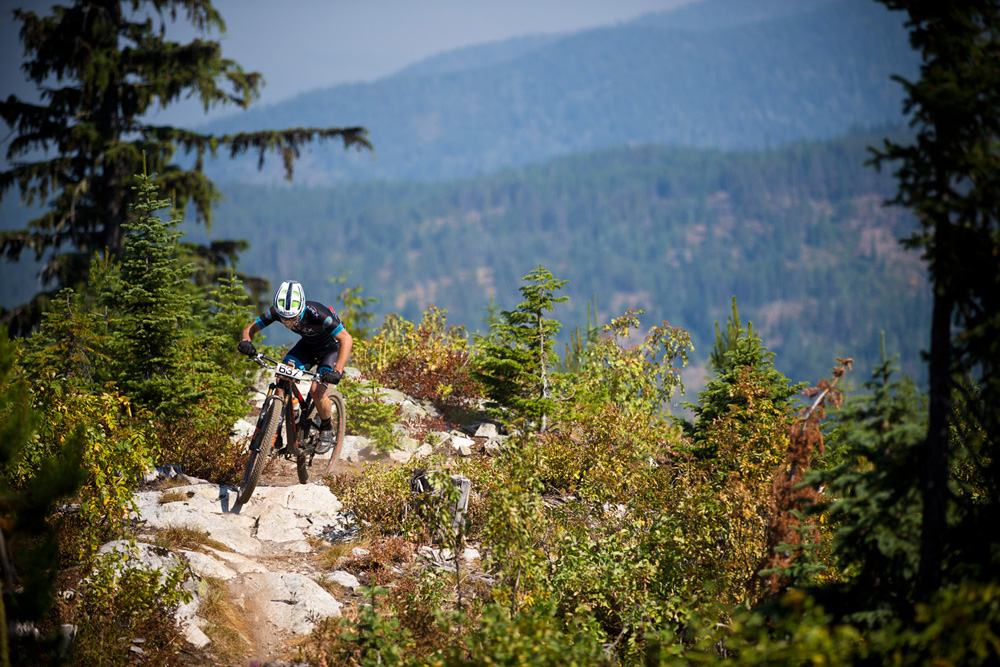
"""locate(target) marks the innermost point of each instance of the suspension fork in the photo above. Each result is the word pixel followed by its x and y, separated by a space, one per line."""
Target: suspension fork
pixel 271 397
pixel 294 396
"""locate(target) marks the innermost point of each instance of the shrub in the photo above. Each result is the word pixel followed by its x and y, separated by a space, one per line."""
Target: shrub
pixel 378 495
pixel 368 416
pixel 638 378
pixel 539 638
pixel 365 637
pixel 125 614
pixel 428 362
pixel 203 451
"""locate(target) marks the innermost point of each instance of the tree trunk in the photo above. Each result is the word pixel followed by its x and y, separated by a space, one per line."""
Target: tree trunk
pixel 934 473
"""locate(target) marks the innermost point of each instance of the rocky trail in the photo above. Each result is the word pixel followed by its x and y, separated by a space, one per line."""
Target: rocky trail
pixel 272 558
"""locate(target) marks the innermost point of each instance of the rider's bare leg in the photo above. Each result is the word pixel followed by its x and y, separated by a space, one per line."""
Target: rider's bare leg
pixel 324 408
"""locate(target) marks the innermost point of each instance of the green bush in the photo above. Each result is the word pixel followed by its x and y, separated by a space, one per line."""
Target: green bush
pixel 429 362
pixel 378 495
pixel 368 416
pixel 125 614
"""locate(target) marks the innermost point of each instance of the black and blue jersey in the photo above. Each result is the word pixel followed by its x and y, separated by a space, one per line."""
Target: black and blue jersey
pixel 318 325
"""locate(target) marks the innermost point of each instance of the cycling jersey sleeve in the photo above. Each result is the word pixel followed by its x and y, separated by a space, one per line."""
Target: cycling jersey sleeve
pixel 266 318
pixel 332 323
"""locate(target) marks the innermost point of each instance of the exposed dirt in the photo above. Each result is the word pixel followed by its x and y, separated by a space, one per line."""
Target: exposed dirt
pixel 281 471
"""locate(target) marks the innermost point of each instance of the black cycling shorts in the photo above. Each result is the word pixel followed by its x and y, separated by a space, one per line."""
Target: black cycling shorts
pixel 302 355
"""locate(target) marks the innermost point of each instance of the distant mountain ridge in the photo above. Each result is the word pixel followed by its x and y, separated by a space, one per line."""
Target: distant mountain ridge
pixel 726 74
pixel 799 235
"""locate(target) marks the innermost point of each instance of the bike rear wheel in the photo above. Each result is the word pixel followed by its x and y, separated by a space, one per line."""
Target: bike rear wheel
pixel 293 445
pixel 260 450
pixel 338 420
pixel 301 461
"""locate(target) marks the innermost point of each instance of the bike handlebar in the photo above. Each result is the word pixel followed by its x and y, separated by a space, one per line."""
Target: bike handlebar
pixel 284 370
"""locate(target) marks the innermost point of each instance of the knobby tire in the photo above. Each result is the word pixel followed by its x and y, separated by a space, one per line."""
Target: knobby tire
pixel 339 419
pixel 292 444
pixel 301 461
pixel 258 459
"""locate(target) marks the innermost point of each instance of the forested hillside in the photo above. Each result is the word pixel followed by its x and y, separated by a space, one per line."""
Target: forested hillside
pixel 498 504
pixel 715 74
pixel 798 235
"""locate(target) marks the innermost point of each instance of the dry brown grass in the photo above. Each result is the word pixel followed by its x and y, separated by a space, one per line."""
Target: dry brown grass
pixel 226 625
pixel 173 497
pixel 182 537
pixel 329 556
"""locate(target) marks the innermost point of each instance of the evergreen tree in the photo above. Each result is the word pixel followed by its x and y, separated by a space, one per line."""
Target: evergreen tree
pixel 739 354
pixel 875 502
pixel 71 341
pixel 208 362
pixel 153 308
pixel 950 176
pixel 101 67
pixel 514 366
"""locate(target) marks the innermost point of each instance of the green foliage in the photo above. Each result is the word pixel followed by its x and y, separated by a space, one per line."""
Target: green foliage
pixel 72 339
pixel 739 350
pixel 514 368
pixel 435 511
pixel 748 442
pixel 540 638
pixel 393 340
pixel 417 601
pixel 601 456
pixel 958 626
pixel 209 363
pixel 616 575
pixel 515 528
pixel 429 362
pixel 379 496
pixel 579 346
pixel 639 378
pixel 204 450
pixel 949 176
pixel 109 378
pixel 875 499
pixel 369 415
pixel 124 607
pixel 114 66
pixel 28 494
pixel 356 313
pixel 154 310
pixel 368 640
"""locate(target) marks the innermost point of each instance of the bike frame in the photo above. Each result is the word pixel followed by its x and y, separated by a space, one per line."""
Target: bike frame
pixel 287 378
pixel 278 422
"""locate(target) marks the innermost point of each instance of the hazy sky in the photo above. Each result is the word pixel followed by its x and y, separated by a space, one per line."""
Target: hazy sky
pixel 301 45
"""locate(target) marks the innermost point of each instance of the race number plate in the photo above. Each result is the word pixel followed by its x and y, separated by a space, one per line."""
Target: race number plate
pixel 289 372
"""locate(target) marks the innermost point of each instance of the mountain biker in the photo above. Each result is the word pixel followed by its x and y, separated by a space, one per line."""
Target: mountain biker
pixel 324 343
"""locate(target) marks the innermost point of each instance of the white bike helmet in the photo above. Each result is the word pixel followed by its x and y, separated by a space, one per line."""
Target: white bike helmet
pixel 289 300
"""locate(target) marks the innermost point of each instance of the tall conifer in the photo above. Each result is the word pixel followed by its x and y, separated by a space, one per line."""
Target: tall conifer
pixel 154 309
pixel 518 355
pixel 102 66
pixel 950 176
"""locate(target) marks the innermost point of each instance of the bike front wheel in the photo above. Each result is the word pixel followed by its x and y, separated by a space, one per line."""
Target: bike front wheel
pixel 260 450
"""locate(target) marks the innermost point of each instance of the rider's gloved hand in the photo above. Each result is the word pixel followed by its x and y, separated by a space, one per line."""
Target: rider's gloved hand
pixel 247 348
pixel 332 377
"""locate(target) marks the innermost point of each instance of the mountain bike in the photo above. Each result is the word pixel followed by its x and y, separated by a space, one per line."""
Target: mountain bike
pixel 298 416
